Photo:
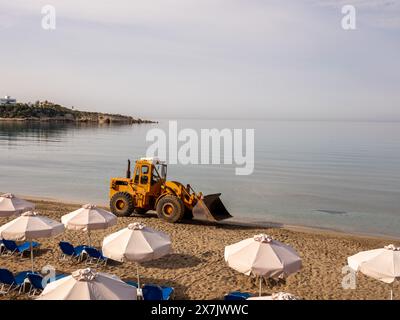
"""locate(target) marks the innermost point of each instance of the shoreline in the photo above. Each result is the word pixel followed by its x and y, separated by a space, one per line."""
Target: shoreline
pixel 106 121
pixel 46 111
pixel 250 222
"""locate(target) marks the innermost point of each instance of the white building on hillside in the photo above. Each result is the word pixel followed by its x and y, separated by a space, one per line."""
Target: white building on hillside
pixel 7 100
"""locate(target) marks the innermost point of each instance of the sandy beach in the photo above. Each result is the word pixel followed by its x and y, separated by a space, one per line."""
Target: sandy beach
pixel 197 269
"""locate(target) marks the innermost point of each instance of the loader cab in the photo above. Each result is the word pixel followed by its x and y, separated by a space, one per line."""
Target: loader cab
pixel 149 175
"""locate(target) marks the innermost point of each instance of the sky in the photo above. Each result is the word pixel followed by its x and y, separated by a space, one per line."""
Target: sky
pixel 209 59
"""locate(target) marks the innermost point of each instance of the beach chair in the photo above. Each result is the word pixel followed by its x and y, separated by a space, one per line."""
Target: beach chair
pixel 68 250
pixel 10 282
pixel 94 255
pixel 36 282
pixel 11 247
pixel 237 295
pixel 154 292
pixel 132 283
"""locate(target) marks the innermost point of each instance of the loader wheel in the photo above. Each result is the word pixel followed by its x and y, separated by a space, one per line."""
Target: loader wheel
pixel 140 211
pixel 121 204
pixel 170 208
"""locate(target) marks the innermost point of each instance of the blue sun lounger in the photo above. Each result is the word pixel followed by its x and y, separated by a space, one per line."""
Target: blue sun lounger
pixel 94 255
pixel 237 295
pixel 36 282
pixel 12 247
pixel 154 292
pixel 68 250
pixel 10 282
pixel 132 283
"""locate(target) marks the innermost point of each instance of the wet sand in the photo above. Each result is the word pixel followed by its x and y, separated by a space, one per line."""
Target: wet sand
pixel 197 269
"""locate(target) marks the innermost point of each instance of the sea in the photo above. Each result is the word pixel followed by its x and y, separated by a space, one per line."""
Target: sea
pixel 334 175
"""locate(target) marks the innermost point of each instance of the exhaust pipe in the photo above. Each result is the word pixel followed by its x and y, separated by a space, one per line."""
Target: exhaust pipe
pixel 128 170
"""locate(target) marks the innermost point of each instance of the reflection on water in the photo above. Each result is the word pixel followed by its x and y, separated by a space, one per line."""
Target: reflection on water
pixel 12 131
pixel 44 131
pixel 333 175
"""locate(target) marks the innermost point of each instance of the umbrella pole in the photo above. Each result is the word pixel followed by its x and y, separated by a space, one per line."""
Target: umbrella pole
pixel 260 285
pixel 391 291
pixel 32 255
pixel 137 273
pixel 90 242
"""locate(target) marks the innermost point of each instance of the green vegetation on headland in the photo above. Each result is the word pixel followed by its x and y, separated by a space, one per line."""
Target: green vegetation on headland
pixel 48 111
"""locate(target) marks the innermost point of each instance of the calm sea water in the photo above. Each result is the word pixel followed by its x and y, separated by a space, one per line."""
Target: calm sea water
pixel 344 176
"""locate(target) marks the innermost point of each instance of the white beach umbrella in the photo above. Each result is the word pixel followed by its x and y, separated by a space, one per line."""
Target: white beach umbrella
pixel 29 226
pixel 10 205
pixel 382 264
pixel 136 243
pixel 86 284
pixel 264 257
pixel 88 218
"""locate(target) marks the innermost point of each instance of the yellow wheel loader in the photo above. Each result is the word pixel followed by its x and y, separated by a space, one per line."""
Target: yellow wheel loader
pixel 148 189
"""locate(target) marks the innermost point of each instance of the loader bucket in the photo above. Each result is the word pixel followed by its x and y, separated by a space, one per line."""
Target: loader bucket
pixel 211 208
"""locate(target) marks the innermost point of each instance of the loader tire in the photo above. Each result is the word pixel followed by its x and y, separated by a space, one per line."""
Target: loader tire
pixel 170 208
pixel 140 211
pixel 121 204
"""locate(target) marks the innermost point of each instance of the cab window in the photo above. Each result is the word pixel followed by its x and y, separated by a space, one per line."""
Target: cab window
pixel 144 178
pixel 154 177
pixel 136 176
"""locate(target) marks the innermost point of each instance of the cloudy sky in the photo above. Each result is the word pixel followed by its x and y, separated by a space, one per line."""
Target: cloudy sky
pixel 256 59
